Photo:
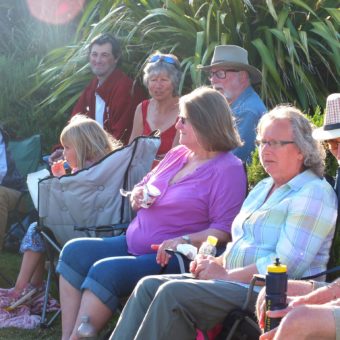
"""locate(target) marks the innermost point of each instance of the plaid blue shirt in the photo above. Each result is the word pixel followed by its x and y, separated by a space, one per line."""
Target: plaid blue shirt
pixel 296 224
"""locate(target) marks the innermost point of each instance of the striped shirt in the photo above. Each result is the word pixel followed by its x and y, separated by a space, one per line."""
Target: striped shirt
pixel 296 223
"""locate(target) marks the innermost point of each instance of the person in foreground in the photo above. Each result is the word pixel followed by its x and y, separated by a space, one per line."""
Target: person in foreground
pixel 202 187
pixel 290 215
pixel 318 310
pixel 313 312
pixel 162 75
pixel 85 142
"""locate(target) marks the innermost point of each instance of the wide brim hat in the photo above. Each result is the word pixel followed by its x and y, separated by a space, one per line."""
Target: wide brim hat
pixel 331 125
pixel 234 58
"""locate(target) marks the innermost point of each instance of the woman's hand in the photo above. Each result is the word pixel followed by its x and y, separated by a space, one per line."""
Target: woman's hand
pixel 136 197
pixel 208 268
pixel 163 257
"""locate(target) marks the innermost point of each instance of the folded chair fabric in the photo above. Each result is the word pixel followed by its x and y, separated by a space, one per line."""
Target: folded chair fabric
pixel 91 196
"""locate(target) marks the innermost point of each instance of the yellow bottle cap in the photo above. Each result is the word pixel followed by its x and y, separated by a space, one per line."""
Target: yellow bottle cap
pixel 277 267
pixel 212 240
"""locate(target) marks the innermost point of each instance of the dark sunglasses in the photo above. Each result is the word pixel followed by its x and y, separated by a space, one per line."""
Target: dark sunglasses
pixel 166 59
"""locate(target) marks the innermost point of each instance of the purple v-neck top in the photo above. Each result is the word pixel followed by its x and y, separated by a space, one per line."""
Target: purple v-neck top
pixel 210 197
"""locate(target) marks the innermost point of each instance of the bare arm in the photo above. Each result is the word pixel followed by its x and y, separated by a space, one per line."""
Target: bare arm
pixel 176 140
pixel 196 239
pixel 210 268
pixel 320 295
pixel 305 322
pixel 137 129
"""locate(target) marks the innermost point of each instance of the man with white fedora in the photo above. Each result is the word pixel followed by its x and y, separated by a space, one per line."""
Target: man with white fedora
pixel 330 133
pixel 230 73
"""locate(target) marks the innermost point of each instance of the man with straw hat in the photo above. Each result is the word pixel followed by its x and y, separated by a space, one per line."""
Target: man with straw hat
pixel 230 73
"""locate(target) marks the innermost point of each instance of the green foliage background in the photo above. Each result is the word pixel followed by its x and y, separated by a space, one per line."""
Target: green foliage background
pixel 24 43
pixel 294 43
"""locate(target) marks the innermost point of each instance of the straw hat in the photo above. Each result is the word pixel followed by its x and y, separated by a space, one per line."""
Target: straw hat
pixel 331 125
pixel 235 58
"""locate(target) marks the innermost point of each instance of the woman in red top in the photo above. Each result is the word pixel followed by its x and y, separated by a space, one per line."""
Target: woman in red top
pixel 162 76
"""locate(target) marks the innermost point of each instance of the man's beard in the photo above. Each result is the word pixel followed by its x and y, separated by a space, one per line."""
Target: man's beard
pixel 225 93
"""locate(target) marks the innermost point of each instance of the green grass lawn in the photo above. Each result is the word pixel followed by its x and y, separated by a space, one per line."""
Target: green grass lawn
pixel 9 266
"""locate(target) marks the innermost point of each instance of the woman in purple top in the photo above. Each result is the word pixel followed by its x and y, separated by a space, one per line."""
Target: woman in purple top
pixel 202 188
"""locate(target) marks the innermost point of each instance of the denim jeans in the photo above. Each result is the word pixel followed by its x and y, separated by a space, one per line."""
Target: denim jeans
pixel 104 266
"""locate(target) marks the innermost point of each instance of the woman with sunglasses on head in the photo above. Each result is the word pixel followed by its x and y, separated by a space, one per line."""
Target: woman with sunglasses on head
pixel 202 186
pixel 162 74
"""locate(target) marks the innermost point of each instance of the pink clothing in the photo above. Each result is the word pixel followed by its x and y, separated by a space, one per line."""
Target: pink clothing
pixel 167 136
pixel 210 197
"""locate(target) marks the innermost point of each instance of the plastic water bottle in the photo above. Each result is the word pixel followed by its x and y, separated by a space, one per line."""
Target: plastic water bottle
pixel 276 292
pixel 209 246
pixel 86 330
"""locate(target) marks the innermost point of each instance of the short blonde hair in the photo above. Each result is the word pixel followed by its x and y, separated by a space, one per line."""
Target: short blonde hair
pixel 211 117
pixel 313 153
pixel 90 141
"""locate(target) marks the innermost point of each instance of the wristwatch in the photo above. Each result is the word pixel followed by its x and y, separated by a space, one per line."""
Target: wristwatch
pixel 186 238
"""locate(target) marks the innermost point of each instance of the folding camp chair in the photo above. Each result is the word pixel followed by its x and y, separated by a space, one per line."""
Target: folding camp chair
pixel 89 203
pixel 27 156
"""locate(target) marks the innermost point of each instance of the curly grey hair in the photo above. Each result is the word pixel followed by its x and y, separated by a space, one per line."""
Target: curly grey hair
pixel 172 70
pixel 312 150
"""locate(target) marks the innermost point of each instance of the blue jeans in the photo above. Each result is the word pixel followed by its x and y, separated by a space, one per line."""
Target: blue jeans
pixel 104 266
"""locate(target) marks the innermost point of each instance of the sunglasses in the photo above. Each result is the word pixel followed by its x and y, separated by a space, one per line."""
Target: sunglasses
pixel 166 59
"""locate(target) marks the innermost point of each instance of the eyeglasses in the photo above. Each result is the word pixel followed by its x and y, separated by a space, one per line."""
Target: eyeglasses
pixel 275 144
pixel 167 59
pixel 182 119
pixel 220 74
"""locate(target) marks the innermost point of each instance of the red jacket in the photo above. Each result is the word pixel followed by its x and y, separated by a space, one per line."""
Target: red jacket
pixel 121 98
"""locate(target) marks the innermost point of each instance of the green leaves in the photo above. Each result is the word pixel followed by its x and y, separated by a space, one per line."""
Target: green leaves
pixel 294 43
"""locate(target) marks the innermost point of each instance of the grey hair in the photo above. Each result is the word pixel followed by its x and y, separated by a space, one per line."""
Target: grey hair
pixel 172 70
pixel 313 153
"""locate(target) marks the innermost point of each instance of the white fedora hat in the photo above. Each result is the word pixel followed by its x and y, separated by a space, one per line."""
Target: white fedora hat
pixel 331 125
pixel 235 58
